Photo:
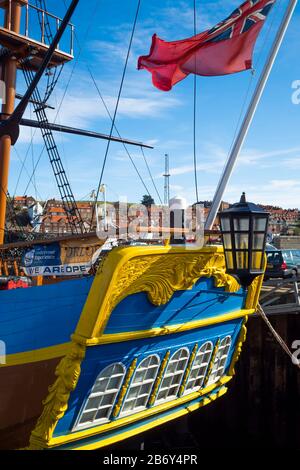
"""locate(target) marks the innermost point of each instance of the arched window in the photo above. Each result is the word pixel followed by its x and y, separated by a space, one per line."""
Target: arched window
pixel 141 385
pixel 99 404
pixel 220 360
pixel 173 376
pixel 199 368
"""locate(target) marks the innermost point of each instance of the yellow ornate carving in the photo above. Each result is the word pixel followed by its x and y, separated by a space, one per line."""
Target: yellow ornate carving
pixel 188 369
pixel 159 271
pixel 161 276
pixel 124 388
pixel 238 348
pixel 253 293
pixel 211 363
pixel 159 378
pixel 254 290
pixel 56 403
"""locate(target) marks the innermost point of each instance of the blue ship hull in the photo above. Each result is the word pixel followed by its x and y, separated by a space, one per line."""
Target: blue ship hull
pixel 153 336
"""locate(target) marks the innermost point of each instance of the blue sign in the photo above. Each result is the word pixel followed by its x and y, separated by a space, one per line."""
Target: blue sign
pixel 45 260
pixel 42 255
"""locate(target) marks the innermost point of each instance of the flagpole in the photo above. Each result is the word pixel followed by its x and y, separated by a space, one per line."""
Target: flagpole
pixel 249 115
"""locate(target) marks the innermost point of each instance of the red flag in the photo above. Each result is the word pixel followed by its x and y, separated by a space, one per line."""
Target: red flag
pixel 224 49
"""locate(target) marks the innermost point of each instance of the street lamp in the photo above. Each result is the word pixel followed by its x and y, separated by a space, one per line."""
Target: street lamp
pixel 244 230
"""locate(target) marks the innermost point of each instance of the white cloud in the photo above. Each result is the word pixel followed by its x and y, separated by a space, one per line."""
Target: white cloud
pixel 82 104
pixel 284 184
pixel 284 193
pixel 250 156
pixel 176 187
pixel 293 163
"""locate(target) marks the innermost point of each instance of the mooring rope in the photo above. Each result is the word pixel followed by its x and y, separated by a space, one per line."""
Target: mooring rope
pixel 278 338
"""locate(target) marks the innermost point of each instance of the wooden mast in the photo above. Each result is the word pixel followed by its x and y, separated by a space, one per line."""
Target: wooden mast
pixel 8 75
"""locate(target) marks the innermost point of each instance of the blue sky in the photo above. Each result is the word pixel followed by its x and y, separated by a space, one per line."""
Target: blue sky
pixel 269 165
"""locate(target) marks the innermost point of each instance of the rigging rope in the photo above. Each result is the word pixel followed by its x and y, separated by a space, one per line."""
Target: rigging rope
pixel 151 177
pixel 73 214
pixel 278 338
pixel 52 76
pixel 117 131
pixel 11 214
pixel 273 12
pixel 28 174
pixel 23 162
pixel 195 112
pixel 80 49
pixel 32 157
pixel 116 107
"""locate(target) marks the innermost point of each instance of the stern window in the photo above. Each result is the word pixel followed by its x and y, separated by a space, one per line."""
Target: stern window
pixel 220 360
pixel 99 404
pixel 173 376
pixel 141 385
pixel 199 368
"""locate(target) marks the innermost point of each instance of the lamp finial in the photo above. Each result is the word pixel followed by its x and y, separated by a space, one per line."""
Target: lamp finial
pixel 243 198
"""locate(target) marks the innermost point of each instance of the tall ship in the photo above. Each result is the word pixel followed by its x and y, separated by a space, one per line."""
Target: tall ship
pixel 148 332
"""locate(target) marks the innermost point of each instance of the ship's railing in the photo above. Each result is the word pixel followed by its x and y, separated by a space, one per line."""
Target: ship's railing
pixel 34 23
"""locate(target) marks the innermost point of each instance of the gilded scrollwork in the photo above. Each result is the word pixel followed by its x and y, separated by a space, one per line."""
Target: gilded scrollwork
pixel 188 370
pixel 125 388
pixel 211 363
pixel 238 348
pixel 56 403
pixel 162 275
pixel 159 378
pixel 253 293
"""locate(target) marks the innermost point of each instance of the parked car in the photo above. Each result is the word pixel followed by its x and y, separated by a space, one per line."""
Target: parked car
pixel 292 257
pixel 279 266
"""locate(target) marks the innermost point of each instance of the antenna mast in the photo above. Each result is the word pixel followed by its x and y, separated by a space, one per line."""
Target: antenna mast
pixel 167 180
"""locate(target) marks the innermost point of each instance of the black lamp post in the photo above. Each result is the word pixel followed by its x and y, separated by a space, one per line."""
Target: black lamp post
pixel 244 230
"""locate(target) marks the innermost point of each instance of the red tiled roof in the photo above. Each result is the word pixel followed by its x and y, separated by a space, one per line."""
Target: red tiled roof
pixel 57 209
pixel 58 218
pixel 84 205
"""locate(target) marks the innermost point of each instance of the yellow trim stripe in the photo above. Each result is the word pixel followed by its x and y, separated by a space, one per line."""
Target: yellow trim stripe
pixel 61 350
pixel 133 335
pixel 157 422
pixel 112 425
pixel 37 355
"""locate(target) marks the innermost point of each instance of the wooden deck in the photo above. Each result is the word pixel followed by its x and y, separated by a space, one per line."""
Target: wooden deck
pixel 281 296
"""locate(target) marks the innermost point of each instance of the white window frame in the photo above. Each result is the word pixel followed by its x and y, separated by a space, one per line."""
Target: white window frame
pixel 220 361
pixel 115 392
pixel 201 367
pixel 167 375
pixel 139 385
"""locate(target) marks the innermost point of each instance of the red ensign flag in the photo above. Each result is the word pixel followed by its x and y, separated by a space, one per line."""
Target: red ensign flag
pixel 226 48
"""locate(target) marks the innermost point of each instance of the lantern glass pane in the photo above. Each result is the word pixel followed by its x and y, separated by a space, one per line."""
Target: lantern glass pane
pixel 259 224
pixel 242 259
pixel 229 259
pixel 225 224
pixel 227 241
pixel 256 260
pixel 241 224
pixel 258 241
pixel 241 241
